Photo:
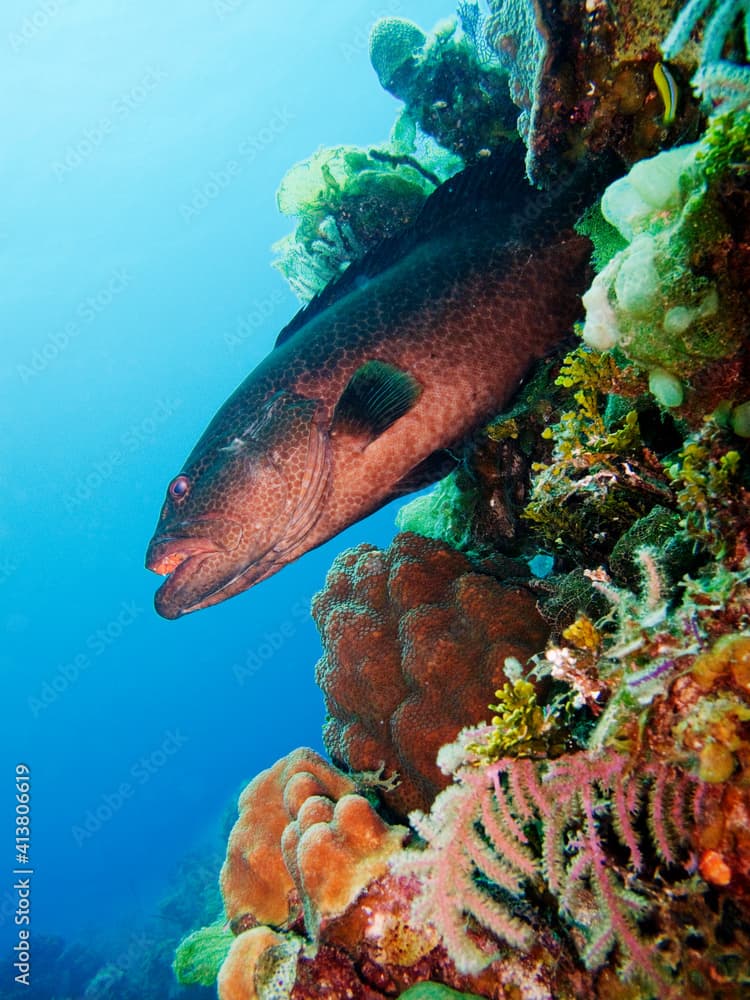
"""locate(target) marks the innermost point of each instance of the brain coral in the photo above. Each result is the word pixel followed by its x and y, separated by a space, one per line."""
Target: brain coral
pixel 415 641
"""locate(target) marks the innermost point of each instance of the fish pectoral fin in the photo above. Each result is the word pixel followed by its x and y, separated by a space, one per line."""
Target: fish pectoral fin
pixel 375 397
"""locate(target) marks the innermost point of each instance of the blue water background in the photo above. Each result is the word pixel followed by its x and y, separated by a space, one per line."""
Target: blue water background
pixel 142 147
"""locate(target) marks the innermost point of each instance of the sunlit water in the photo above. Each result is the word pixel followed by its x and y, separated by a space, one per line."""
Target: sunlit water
pixel 142 145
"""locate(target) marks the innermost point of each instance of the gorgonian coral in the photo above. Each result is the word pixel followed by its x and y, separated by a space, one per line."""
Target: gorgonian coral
pixel 507 834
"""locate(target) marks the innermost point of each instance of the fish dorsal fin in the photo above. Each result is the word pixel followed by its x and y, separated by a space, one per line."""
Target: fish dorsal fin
pixel 486 191
pixel 375 397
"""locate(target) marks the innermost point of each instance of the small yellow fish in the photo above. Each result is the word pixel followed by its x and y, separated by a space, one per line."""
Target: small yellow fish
pixel 667 87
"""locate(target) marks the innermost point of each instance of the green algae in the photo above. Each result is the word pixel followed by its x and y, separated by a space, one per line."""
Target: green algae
pixel 436 991
pixel 199 957
pixel 443 514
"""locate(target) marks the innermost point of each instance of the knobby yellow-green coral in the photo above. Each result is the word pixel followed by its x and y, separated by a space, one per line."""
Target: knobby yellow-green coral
pixel 520 729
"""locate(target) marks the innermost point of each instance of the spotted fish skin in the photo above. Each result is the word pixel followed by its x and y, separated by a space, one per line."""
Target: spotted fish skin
pixel 408 353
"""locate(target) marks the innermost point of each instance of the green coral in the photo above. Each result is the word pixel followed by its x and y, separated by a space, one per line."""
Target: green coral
pixel 199 957
pixel 444 514
pixel 520 729
pixel 348 200
pixel 606 238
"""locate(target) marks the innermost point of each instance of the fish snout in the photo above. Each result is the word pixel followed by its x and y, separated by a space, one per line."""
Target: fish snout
pixel 169 548
pixel 190 555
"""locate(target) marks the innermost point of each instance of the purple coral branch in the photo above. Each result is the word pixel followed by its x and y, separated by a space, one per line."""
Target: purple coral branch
pixel 657 800
pixel 478 826
pixel 618 926
pixel 505 833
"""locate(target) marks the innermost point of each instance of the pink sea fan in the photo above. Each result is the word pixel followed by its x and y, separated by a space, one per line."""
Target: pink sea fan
pixel 581 828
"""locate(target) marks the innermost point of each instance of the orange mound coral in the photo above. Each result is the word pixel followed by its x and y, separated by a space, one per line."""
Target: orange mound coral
pixel 334 851
pixel 304 842
pixel 237 974
pixel 254 878
pixel 415 642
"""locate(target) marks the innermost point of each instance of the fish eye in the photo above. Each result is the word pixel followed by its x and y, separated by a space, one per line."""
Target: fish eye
pixel 179 487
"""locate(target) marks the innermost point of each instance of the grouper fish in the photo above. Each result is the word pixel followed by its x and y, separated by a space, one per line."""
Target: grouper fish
pixel 372 384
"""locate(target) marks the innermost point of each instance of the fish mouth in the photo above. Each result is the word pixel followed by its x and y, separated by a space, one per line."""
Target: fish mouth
pixel 165 555
pixel 178 559
pixel 199 573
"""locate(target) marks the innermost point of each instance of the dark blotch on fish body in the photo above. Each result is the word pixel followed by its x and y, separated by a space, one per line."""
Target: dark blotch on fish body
pixel 374 381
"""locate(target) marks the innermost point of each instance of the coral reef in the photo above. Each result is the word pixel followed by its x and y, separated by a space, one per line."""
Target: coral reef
pixel 414 639
pixel 366 943
pixel 588 562
pixel 674 299
pixel 449 92
pixel 304 845
pixel 584 78
pixel 618 831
